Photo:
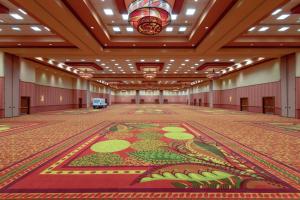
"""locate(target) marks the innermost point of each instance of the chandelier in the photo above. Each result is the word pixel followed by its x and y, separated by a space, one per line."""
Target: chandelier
pixel 149 17
pixel 85 74
pixel 150 72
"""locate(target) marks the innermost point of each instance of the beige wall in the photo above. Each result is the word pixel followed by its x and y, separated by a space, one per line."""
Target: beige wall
pixel 27 71
pixel 263 73
pixel 1 64
pixel 298 64
pixel 200 88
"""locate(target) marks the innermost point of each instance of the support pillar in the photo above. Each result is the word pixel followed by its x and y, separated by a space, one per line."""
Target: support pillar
pixel 211 94
pixel 161 97
pixel 11 66
pixel 88 94
pixel 288 85
pixel 137 97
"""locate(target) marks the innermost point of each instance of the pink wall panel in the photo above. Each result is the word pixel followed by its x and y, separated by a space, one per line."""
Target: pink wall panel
pixel 120 99
pixel 176 99
pixel 254 93
pixel 203 96
pixel 1 96
pixel 149 98
pixel 298 97
pixel 54 98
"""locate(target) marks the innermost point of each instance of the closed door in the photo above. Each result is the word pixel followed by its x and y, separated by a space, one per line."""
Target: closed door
pixel 156 101
pixel 195 102
pixel 200 102
pixel 80 102
pixel 25 105
pixel 269 105
pixel 142 101
pixel 165 101
pixel 132 101
pixel 244 104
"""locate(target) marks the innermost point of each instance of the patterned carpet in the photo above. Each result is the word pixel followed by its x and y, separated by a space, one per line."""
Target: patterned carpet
pixel 189 155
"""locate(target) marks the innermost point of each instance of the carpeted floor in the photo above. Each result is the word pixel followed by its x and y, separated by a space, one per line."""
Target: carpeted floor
pixel 150 151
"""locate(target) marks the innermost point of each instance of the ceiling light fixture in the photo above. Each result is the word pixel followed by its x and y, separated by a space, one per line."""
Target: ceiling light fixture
pixel 282 29
pixel 16 28
pixel 169 29
pixel 108 11
pixel 252 29
pixel 173 17
pixel 190 11
pixel 16 16
pixel 276 11
pixel 283 16
pixel 182 29
pixel 35 28
pixel 149 17
pixel 22 11
pixel 125 16
pixel 129 29
pixel 264 28
pixel 116 29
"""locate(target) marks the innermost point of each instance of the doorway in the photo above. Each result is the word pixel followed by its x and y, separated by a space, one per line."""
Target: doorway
pixel 195 102
pixel 200 102
pixel 166 101
pixel 80 103
pixel 269 105
pixel 132 101
pixel 244 104
pixel 156 101
pixel 25 106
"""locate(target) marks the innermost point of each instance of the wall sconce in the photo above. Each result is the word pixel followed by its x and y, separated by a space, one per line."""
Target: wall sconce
pixel 60 98
pixel 42 98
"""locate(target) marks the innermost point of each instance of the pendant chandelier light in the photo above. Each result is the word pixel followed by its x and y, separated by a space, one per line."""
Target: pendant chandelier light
pixel 85 74
pixel 149 17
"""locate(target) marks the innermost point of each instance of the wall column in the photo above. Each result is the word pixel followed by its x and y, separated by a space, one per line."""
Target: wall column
pixel 137 97
pixel 88 94
pixel 288 85
pixel 11 66
pixel 211 95
pixel 161 97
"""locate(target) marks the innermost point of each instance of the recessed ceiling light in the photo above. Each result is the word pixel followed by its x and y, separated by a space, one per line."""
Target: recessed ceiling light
pixel 169 29
pixel 217 60
pixel 113 60
pixel 16 28
pixel 231 60
pixel 264 28
pixel 298 30
pixel 116 29
pixel 0 29
pixel 283 29
pixel 129 29
pixel 196 64
pixel 46 28
pixel 82 60
pixel 16 16
pixel 98 60
pixel 116 64
pixel 182 29
pixel 201 60
pixel 173 17
pixel 142 60
pixel 276 11
pixel 125 16
pixel 172 60
pixel 108 11
pixel 183 64
pixel 252 29
pixel 129 64
pixel 103 64
pixel 35 28
pixel 282 17
pixel 22 11
pixel 157 60
pixel 186 60
pixel 190 11
pixel 260 58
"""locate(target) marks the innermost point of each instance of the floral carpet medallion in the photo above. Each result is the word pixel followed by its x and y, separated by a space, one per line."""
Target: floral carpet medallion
pixel 150 160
